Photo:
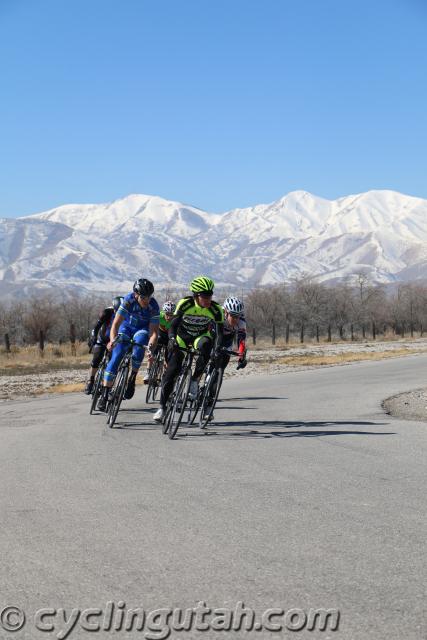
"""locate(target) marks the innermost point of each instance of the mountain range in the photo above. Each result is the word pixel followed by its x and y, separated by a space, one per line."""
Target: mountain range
pixel 104 247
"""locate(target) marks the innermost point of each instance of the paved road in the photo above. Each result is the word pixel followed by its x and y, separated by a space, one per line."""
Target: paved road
pixel 303 496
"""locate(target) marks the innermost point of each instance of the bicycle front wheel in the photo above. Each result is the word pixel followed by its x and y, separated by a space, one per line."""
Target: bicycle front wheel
pixel 179 404
pixel 96 392
pixel 154 377
pixel 118 393
pixel 168 411
pixel 210 397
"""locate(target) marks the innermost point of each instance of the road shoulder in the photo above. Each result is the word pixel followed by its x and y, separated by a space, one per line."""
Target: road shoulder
pixel 411 405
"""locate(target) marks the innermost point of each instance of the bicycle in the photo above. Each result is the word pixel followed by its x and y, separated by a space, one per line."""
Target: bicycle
pixel 155 374
pixel 97 385
pixel 211 387
pixel 177 401
pixel 120 384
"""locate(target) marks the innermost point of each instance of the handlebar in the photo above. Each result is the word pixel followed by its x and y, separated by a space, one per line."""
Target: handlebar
pixel 229 352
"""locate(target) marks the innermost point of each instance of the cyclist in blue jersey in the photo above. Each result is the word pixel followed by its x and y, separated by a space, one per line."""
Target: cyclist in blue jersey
pixel 137 319
pixel 99 338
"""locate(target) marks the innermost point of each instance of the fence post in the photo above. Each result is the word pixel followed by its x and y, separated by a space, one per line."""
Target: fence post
pixel 363 331
pixel 41 342
pixel 287 334
pixel 7 342
pixel 412 330
pixel 301 337
pixel 403 330
pixel 421 330
pixel 73 339
pixel 273 334
pixel 317 333
pixel 374 331
pixel 254 336
pixel 329 333
pixel 352 332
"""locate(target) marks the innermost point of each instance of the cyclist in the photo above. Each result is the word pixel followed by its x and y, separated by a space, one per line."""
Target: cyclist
pixel 198 321
pixel 137 319
pixel 234 326
pixel 99 338
pixel 166 315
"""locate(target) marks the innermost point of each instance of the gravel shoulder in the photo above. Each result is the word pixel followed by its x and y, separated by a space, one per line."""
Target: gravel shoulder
pixel 408 406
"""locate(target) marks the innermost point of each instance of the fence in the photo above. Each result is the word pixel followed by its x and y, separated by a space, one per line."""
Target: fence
pixel 326 333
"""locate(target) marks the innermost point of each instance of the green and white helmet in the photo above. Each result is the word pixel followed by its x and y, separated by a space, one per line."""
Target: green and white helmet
pixel 202 284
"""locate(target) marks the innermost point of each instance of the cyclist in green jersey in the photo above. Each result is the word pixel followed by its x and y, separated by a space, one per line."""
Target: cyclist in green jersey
pixel 166 315
pixel 198 321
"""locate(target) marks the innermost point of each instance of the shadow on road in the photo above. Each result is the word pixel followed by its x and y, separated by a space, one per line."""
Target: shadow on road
pixel 253 398
pixel 137 426
pixel 281 429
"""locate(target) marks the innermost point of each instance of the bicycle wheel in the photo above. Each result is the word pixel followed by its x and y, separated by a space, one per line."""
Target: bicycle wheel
pixel 180 403
pixel 159 373
pixel 153 378
pixel 158 379
pixel 168 410
pixel 210 397
pixel 96 392
pixel 118 393
pixel 193 407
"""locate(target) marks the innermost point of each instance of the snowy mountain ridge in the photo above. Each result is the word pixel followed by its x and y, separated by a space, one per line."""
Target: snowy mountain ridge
pixel 106 246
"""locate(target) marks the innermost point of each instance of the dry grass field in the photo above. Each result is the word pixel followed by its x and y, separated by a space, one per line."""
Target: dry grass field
pixel 263 343
pixel 318 360
pixel 29 359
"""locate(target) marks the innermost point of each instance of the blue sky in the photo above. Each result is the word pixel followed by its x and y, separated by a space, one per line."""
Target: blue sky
pixel 216 103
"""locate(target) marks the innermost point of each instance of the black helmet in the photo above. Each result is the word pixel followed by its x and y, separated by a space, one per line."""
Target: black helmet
pixel 117 301
pixel 144 287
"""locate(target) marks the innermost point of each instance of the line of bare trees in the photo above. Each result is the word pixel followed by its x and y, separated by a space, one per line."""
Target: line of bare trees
pixel 49 318
pixel 349 310
pixel 303 309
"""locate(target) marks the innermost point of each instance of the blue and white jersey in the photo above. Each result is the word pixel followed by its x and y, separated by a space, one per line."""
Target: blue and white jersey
pixel 135 316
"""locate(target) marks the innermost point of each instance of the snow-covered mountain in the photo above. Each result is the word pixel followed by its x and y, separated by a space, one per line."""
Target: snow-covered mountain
pixel 105 247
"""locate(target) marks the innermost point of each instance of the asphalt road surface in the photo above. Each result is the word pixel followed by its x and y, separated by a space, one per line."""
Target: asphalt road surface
pixel 303 496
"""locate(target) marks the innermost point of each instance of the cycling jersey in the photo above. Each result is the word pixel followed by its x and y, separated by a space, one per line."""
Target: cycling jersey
pixel 164 324
pixel 230 332
pixel 192 321
pixel 135 316
pixel 101 331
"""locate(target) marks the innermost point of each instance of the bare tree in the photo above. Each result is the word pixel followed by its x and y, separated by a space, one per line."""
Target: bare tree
pixel 40 315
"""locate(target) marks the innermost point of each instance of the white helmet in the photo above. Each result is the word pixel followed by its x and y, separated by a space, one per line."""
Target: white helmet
pixel 234 306
pixel 169 306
